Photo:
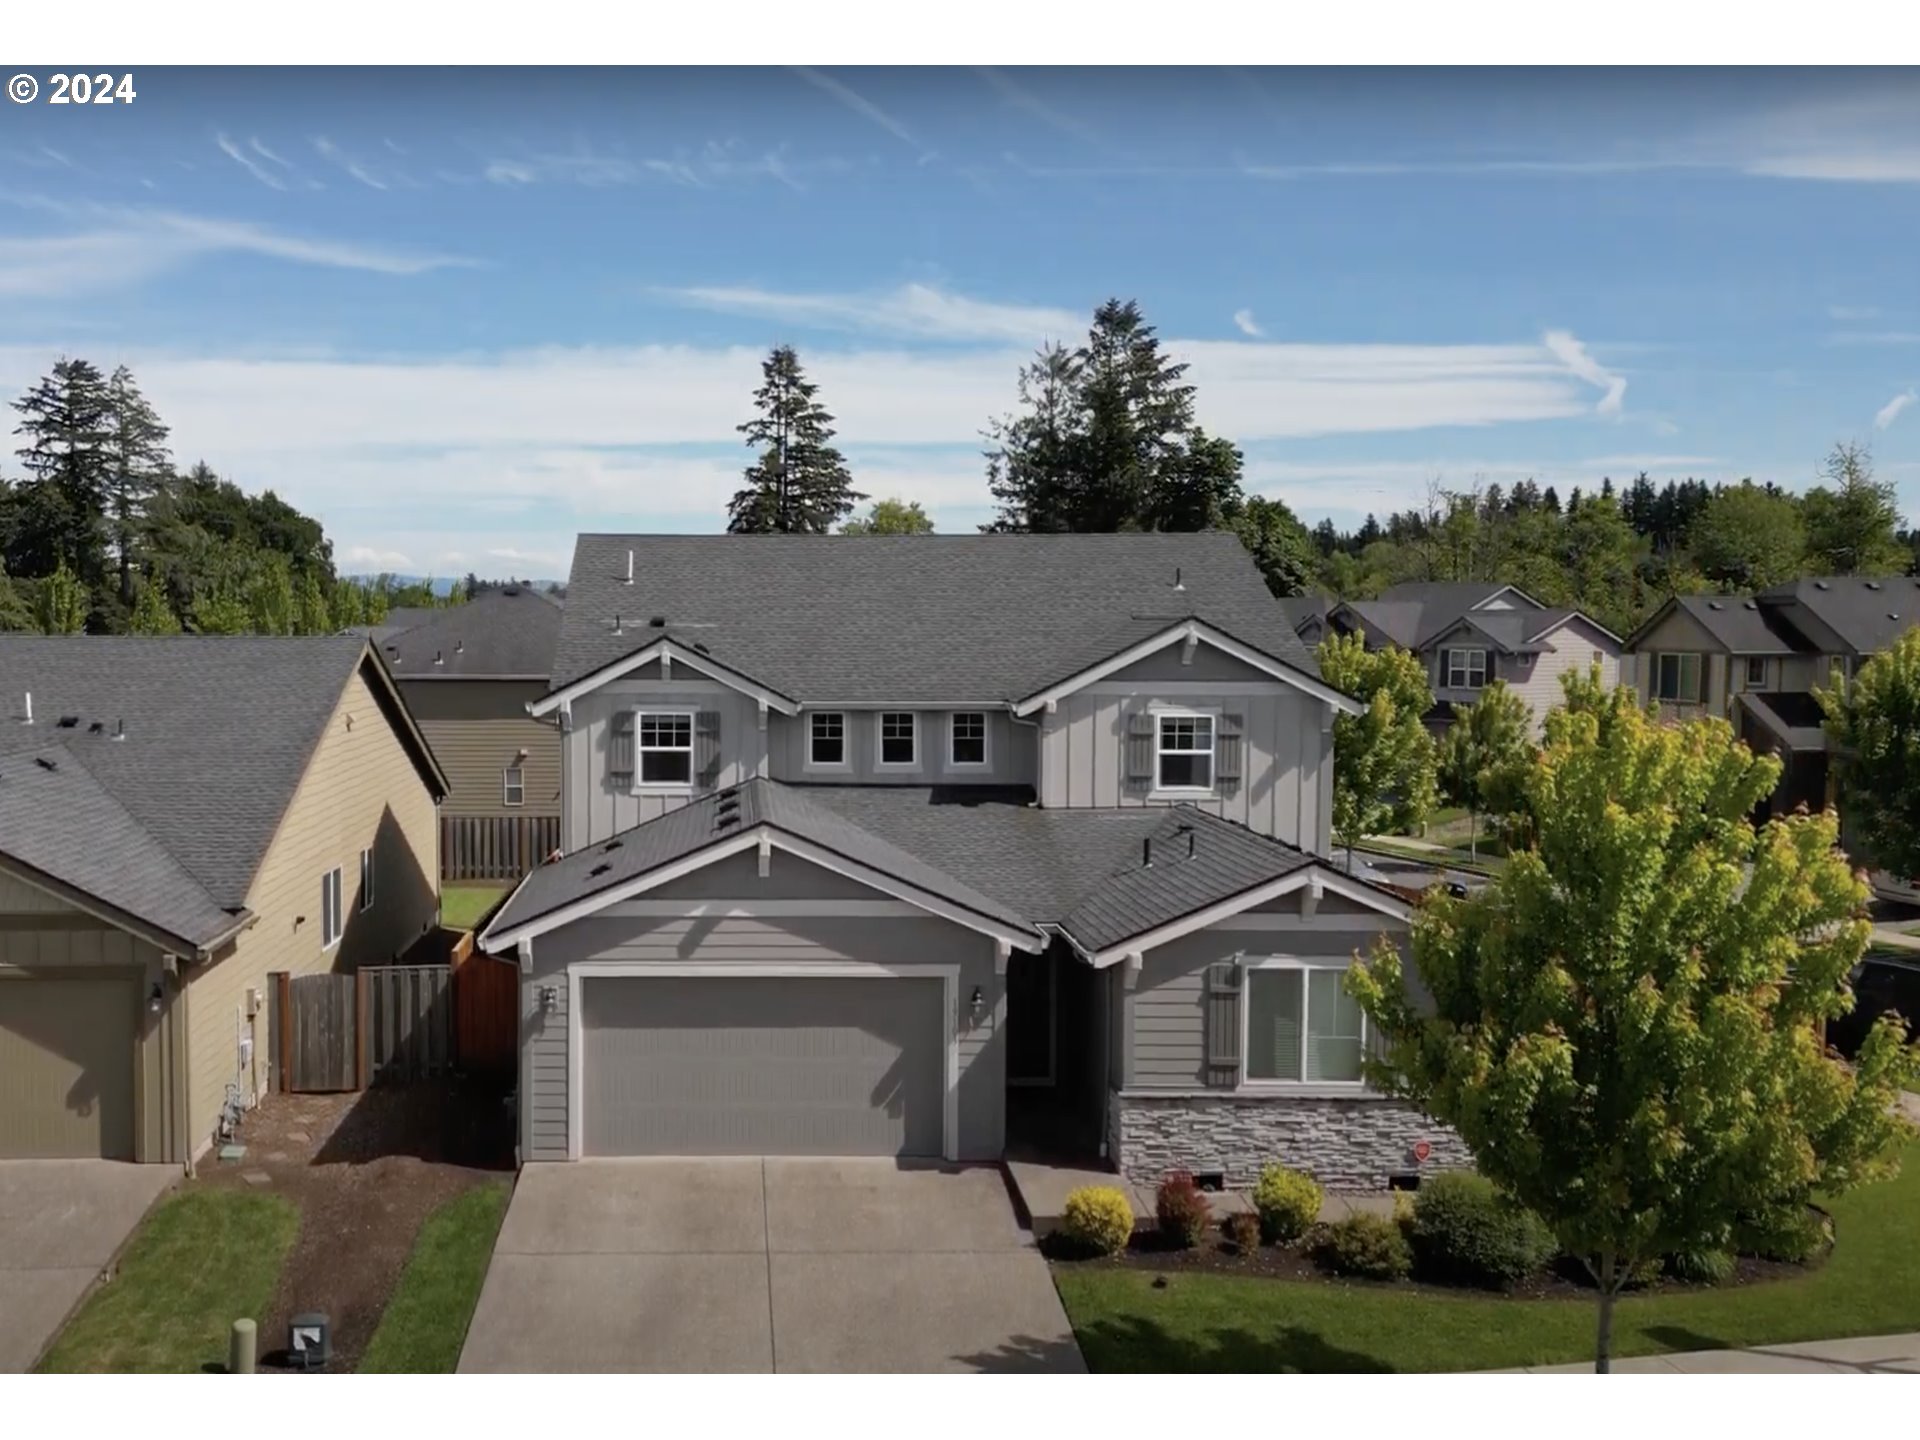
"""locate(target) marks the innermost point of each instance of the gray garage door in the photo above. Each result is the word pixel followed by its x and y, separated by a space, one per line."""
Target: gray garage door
pixel 753 1066
pixel 66 1069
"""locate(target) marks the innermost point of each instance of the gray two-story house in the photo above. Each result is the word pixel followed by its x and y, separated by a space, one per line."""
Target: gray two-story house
pixel 939 845
pixel 1468 634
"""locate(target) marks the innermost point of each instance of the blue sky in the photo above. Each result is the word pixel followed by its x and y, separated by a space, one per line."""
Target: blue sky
pixel 463 315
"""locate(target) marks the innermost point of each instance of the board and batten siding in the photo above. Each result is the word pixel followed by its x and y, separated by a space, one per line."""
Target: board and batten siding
pixel 593 806
pixel 1010 751
pixel 41 935
pixel 476 729
pixel 361 790
pixel 797 940
pixel 1166 1011
pixel 1286 789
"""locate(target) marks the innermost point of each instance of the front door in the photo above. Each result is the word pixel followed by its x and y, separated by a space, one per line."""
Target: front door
pixel 1032 996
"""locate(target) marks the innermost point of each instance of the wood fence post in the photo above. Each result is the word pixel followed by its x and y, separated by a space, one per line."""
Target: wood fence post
pixel 360 1013
pixel 286 1031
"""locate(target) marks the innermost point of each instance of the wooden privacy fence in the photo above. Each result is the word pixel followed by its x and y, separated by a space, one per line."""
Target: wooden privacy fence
pixel 386 1024
pixel 495 847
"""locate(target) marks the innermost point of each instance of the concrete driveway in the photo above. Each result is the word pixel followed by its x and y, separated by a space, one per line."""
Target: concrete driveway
pixel 778 1264
pixel 61 1223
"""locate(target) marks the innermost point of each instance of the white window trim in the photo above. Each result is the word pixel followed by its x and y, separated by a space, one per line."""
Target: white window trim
pixel 947 975
pixel 985 762
pixel 1249 964
pixel 332 909
pixel 1185 792
pixel 1452 654
pixel 506 786
pixel 846 743
pixel 366 880
pixel 664 787
pixel 879 742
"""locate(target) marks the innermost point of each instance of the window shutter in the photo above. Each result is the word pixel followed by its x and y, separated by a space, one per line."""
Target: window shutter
pixel 1227 745
pixel 620 748
pixel 1221 997
pixel 706 746
pixel 1141 729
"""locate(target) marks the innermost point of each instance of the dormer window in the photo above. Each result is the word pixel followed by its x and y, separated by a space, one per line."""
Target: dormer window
pixel 1464 669
pixel 899 740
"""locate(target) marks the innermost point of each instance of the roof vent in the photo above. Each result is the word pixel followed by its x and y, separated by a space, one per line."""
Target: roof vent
pixel 67 722
pixel 729 793
pixel 1893 614
pixel 597 871
pixel 1146 852
pixel 629 567
pixel 1748 605
pixel 459 647
pixel 658 622
pixel 1821 585
pixel 1873 584
pixel 618 629
pixel 119 729
pixel 726 818
pixel 1715 605
pixel 29 716
pixel 439 658
pixel 1178 584
pixel 44 763
pixel 701 648
pixel 98 727
pixel 611 846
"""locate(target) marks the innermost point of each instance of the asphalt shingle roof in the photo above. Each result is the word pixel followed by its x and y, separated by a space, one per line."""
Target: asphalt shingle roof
pixel 1869 614
pixel 171 821
pixel 914 619
pixel 510 631
pixel 1087 871
pixel 1741 625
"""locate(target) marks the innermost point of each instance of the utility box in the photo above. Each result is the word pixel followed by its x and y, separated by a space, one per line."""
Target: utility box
pixel 309 1342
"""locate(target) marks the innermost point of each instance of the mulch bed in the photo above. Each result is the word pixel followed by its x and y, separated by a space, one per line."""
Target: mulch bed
pixel 1565 1279
pixel 365 1170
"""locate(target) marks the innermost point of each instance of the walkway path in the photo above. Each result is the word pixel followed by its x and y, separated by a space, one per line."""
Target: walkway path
pixel 1866 1355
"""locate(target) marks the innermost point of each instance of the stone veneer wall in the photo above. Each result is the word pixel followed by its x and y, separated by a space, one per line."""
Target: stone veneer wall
pixel 1345 1144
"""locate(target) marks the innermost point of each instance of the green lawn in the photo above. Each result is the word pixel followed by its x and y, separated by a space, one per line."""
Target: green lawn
pixel 202 1260
pixel 1870 1286
pixel 425 1323
pixel 462 905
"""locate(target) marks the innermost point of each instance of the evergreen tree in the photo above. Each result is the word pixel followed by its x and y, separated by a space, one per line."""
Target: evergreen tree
pixel 1279 544
pixel 151 614
pixel 1853 521
pixel 15 613
pixel 138 465
pixel 800 484
pixel 1031 458
pixel 62 605
pixel 66 423
pixel 1198 487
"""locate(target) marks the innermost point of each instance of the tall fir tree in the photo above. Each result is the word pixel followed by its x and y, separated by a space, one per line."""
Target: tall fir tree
pixel 1854 519
pixel 799 484
pixel 138 466
pixel 66 426
pixel 1032 456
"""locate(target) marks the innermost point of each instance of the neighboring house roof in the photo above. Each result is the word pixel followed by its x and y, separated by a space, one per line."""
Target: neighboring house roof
pixel 1866 614
pixel 1417 617
pixel 861 619
pixel 1101 877
pixel 1455 595
pixel 507 633
pixel 1736 623
pixel 1794 717
pixel 157 768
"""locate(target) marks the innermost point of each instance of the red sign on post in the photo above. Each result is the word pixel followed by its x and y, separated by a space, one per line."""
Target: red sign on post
pixel 1421 1150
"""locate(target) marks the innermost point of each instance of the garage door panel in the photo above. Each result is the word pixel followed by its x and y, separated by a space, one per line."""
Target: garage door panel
pixel 66 1068
pixel 757 1065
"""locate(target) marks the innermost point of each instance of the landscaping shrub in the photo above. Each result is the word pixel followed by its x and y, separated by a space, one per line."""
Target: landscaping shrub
pixel 1701 1267
pixel 1181 1210
pixel 1369 1246
pixel 1097 1220
pixel 1243 1231
pixel 1466 1232
pixel 1792 1236
pixel 1288 1204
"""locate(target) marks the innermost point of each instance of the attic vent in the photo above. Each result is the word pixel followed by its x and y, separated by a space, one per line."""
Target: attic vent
pixel 598 870
pixel 729 793
pixel 1893 614
pixel 726 819
pixel 44 763
pixel 98 727
pixel 701 648
pixel 67 722
pixel 1821 585
pixel 1715 605
pixel 658 622
pixel 1748 605
pixel 611 846
pixel 1873 584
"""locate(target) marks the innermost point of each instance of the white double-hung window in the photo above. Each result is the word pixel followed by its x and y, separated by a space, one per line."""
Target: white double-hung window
pixel 664 748
pixel 1301 1026
pixel 1183 744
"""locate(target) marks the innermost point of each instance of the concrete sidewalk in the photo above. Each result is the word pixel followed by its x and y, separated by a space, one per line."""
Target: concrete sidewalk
pixel 1865 1355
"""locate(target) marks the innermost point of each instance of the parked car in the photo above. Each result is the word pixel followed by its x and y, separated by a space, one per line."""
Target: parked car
pixel 1881 982
pixel 1889 886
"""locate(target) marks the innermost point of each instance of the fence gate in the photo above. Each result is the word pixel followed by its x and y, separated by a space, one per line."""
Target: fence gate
pixel 380 1024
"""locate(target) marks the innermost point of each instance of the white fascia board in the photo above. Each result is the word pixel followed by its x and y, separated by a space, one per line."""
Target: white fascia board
pixel 1178 634
pixel 668 651
pixel 1567 620
pixel 1327 878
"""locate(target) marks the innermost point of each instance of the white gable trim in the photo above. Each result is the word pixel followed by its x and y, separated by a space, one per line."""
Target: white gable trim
pixel 1485 601
pixel 1180 634
pixel 1316 878
pixel 667 652
pixel 1567 620
pixel 616 897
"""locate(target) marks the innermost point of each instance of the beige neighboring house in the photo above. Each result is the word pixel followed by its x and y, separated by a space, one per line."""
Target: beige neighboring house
pixel 181 818
pixel 468 673
pixel 1469 634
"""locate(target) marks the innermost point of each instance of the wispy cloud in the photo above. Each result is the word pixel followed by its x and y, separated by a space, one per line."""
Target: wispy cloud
pixel 862 107
pixel 1243 320
pixel 248 159
pixel 1572 353
pixel 715 163
pixel 1891 411
pixel 327 150
pixel 112 246
pixel 1024 99
pixel 920 311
